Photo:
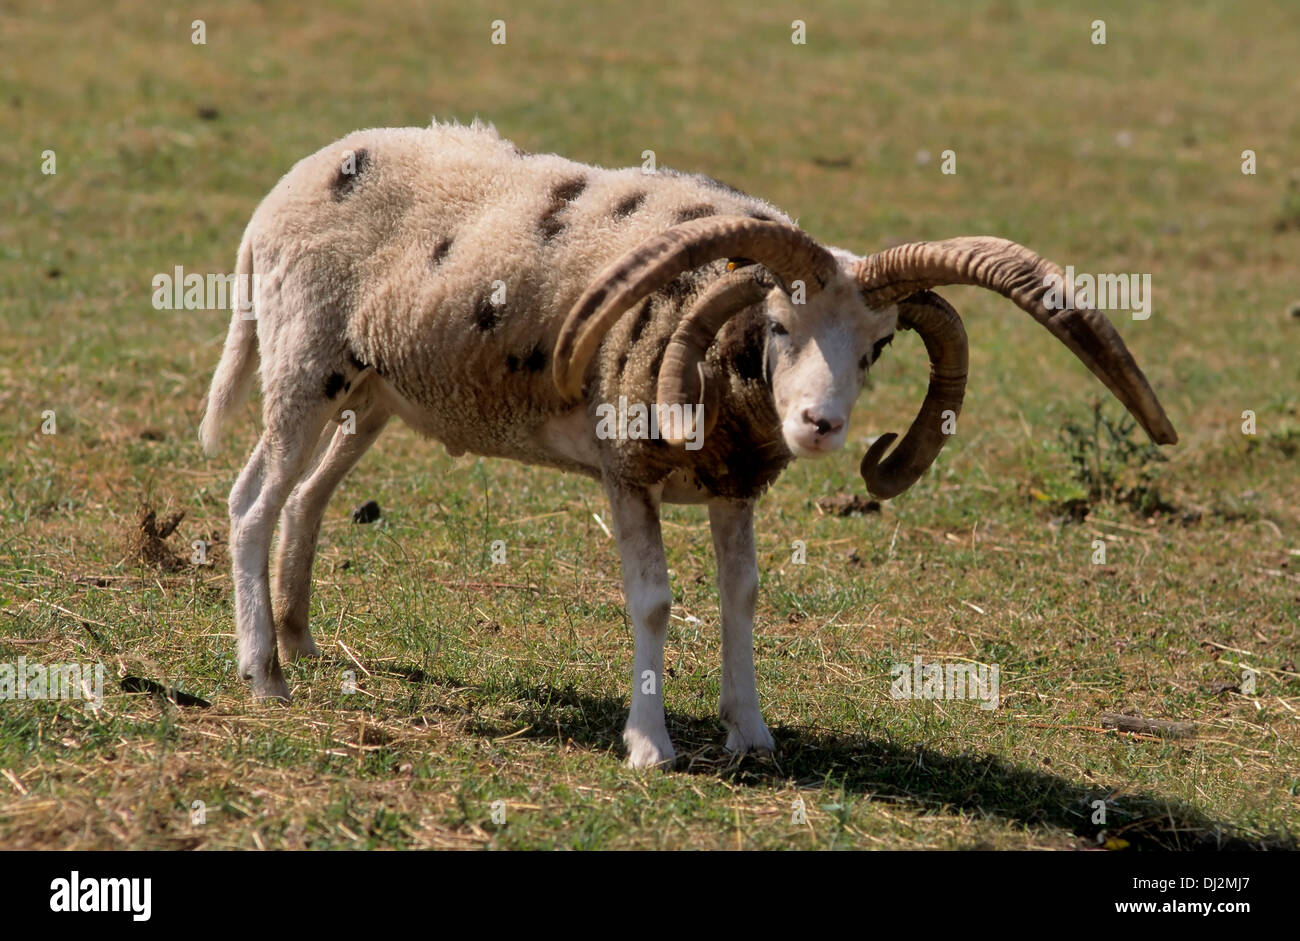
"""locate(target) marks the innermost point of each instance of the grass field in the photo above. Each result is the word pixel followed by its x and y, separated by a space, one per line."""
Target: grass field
pixel 480 682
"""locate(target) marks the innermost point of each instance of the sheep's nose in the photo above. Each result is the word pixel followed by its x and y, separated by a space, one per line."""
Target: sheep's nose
pixel 824 426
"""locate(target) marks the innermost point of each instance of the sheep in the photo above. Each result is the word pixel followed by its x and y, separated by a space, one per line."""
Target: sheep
pixel 502 302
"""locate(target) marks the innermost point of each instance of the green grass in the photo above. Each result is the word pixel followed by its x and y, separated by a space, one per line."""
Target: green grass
pixel 482 683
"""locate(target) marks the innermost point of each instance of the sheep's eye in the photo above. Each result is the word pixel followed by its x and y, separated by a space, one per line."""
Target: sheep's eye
pixel 880 347
pixel 778 330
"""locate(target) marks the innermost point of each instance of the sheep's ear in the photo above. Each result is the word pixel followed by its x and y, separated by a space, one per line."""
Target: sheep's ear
pixel 764 276
pixel 773 280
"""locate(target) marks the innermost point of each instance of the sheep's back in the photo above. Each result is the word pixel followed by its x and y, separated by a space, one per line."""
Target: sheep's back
pixel 449 258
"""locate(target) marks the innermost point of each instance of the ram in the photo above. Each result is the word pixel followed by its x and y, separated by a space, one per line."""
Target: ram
pixel 506 304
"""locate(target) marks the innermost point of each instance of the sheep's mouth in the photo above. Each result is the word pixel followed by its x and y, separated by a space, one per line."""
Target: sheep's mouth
pixel 809 454
pixel 812 447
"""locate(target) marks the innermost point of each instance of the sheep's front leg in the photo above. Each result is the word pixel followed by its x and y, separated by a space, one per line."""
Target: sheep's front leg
pixel 732 523
pixel 649 601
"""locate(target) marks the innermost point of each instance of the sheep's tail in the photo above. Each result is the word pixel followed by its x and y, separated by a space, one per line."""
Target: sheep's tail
pixel 238 363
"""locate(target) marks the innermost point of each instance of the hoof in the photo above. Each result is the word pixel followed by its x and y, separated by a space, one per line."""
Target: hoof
pixel 300 647
pixel 648 750
pixel 750 736
pixel 269 684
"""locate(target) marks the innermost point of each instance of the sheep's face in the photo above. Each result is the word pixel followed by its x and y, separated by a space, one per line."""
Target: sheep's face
pixel 818 354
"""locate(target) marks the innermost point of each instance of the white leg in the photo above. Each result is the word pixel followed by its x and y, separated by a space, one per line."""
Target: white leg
pixel 649 602
pixel 257 657
pixel 277 463
pixel 732 523
pixel 300 527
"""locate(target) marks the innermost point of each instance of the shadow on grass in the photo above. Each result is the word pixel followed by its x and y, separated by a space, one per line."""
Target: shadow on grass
pixel 916 776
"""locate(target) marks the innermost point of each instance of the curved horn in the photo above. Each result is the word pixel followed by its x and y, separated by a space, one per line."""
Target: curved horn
pixel 682 377
pixel 945 341
pixel 784 249
pixel 1017 273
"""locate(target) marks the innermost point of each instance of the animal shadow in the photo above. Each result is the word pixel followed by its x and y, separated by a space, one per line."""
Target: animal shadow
pixel 923 778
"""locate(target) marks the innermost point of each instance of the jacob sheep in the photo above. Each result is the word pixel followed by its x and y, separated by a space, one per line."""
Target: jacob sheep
pixel 478 292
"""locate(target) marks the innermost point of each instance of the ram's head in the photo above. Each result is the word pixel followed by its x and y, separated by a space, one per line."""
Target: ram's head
pixel 829 316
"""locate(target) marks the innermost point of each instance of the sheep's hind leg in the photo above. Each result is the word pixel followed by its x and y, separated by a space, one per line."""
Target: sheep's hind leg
pixel 293 424
pixel 732 525
pixel 649 602
pixel 300 525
